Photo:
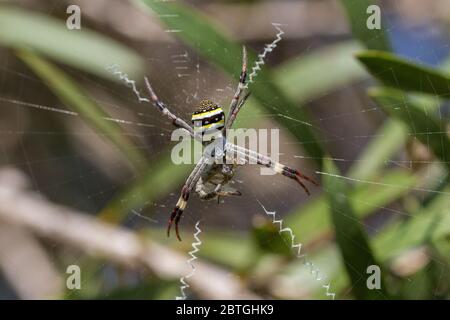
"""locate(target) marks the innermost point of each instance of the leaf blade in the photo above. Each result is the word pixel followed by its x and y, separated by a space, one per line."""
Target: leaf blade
pixel 399 73
pixel 351 238
pixel 85 50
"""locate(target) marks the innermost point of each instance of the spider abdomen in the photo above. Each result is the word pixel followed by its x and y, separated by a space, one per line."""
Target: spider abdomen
pixel 208 117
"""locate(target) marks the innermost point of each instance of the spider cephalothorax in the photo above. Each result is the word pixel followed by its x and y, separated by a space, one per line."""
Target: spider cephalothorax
pixel 208 117
pixel 210 180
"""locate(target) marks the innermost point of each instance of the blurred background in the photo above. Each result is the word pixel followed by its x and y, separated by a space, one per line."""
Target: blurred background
pixel 86 178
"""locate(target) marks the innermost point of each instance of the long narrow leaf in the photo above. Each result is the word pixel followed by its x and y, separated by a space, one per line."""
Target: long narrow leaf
pixel 426 127
pixel 398 73
pixel 83 49
pixel 350 236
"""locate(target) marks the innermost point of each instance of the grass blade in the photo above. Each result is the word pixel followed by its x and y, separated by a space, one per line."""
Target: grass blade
pixel 200 34
pixel 85 49
pixel 421 124
pixel 350 236
pixel 398 73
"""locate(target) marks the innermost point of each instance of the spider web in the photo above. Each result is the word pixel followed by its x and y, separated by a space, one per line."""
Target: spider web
pixel 76 177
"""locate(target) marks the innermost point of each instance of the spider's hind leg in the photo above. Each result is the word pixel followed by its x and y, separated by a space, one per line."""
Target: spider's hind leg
pixel 185 192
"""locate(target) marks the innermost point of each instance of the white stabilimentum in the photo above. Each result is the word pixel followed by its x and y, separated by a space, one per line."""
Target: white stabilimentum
pixel 195 245
pixel 267 49
pixel 297 247
pixel 124 77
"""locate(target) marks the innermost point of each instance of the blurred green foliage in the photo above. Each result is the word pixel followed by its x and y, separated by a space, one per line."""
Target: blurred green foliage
pixel 348 200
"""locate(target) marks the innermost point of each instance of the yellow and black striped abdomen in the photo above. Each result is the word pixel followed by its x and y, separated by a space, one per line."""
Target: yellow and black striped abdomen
pixel 208 117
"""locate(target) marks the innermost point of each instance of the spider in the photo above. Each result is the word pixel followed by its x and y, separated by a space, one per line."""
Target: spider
pixel 210 179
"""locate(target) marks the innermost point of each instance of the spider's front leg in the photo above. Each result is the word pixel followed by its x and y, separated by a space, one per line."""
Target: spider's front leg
pixel 184 197
pixel 176 121
pixel 249 156
pixel 235 104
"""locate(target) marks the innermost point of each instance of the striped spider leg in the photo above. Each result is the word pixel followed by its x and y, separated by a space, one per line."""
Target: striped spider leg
pixel 245 155
pixel 176 121
pixel 185 192
pixel 235 104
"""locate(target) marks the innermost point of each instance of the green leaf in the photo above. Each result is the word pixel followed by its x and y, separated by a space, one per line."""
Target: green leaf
pixel 312 221
pixel 232 249
pixel 83 49
pixel 268 239
pixel 350 236
pixel 390 137
pixel 303 78
pixel 387 140
pixel 396 72
pixel 421 124
pixel 431 224
pixel 375 39
pixel 76 99
pixel 198 32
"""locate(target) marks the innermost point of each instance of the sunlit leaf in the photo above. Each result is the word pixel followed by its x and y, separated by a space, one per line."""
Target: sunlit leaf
pixel 314 74
pixel 83 49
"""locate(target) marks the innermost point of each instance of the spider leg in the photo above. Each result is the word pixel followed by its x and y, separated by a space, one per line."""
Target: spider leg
pixel 184 197
pixel 235 105
pixel 178 211
pixel 249 155
pixel 176 121
pixel 237 109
